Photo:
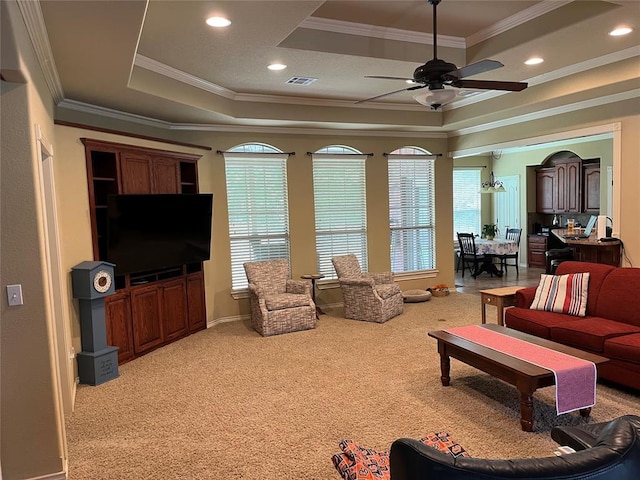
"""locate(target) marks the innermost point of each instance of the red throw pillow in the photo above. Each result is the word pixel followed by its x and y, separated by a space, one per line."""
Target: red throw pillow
pixel 562 294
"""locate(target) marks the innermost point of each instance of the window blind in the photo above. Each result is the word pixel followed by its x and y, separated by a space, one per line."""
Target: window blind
pixel 412 212
pixel 466 200
pixel 340 209
pixel 258 210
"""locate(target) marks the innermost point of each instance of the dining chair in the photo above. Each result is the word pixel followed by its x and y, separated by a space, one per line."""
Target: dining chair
pixel 468 254
pixel 514 235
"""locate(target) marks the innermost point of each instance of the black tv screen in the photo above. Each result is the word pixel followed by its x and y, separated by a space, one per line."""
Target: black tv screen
pixel 153 232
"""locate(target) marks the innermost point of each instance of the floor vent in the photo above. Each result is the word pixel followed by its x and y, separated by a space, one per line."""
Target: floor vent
pixel 301 80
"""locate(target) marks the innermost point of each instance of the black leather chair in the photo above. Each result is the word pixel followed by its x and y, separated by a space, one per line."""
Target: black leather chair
pixel 585 436
pixel 615 455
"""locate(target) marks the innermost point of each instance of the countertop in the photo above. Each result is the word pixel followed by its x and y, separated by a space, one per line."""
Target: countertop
pixel 592 240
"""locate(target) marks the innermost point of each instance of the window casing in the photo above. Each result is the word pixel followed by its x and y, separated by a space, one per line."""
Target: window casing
pixel 411 174
pixel 466 200
pixel 257 202
pixel 340 206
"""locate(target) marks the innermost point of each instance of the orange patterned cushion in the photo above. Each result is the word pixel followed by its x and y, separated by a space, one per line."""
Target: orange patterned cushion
pixel 358 463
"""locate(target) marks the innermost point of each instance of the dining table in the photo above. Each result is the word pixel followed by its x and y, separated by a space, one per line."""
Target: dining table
pixel 493 248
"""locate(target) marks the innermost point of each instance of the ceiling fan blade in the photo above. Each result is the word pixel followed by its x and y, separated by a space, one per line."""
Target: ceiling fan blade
pixel 490 85
pixel 416 87
pixel 475 68
pixel 389 78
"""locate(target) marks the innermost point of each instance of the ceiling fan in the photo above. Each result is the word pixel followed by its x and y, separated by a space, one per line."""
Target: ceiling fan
pixel 437 73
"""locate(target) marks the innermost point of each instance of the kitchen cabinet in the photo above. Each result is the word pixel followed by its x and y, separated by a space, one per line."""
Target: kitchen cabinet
pixel 536 246
pixel 568 176
pixel 545 190
pixel 591 188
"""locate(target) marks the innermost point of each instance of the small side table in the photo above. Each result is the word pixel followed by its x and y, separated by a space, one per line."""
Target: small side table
pixel 501 298
pixel 313 277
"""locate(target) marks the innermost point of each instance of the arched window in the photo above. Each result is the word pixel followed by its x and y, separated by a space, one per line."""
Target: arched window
pixel 340 205
pixel 257 203
pixel 412 209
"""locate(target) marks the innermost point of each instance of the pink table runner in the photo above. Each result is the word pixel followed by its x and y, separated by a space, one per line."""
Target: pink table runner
pixel 575 378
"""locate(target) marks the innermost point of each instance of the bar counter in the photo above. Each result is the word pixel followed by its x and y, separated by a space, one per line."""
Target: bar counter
pixel 591 249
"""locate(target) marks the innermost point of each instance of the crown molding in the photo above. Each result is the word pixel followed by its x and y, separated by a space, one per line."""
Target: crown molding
pixel 545 113
pixel 113 114
pixel 516 20
pixel 374 31
pixel 555 75
pixel 183 77
pixel 151 122
pixel 34 21
pixel 590 133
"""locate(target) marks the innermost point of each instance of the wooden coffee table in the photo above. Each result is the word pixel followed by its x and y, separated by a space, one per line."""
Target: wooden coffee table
pixel 525 376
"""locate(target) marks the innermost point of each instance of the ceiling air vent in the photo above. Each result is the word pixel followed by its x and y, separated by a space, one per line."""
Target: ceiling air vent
pixel 301 81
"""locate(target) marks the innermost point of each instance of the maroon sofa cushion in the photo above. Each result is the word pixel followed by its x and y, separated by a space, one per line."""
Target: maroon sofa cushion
pixel 620 299
pixel 535 322
pixel 598 273
pixel 590 332
pixel 626 347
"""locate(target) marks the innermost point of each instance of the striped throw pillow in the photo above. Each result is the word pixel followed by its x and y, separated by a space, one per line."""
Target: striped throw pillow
pixel 562 294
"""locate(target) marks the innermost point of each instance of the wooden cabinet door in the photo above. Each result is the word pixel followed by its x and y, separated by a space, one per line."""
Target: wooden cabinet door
pixel 146 307
pixel 174 309
pixel 136 173
pixel 545 190
pixel 118 323
pixel 166 175
pixel 196 302
pixel 573 187
pixel 568 199
pixel 591 182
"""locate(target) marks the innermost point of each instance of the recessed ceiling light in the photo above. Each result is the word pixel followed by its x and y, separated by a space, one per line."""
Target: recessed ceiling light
pixel 277 66
pixel 620 31
pixel 218 22
pixel 534 61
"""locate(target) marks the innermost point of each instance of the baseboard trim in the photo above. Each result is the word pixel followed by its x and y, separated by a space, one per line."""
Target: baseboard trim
pixel 51 476
pixel 238 318
pixel 234 318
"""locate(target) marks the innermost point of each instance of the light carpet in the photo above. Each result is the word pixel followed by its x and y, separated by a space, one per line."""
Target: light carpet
pixel 226 403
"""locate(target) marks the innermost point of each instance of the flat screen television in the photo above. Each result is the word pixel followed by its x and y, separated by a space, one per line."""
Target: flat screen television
pixel 154 232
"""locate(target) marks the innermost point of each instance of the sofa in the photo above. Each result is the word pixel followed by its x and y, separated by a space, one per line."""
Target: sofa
pixel 610 327
pixel 615 455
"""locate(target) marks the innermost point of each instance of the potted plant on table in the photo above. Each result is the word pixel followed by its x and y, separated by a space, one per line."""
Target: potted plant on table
pixel 490 230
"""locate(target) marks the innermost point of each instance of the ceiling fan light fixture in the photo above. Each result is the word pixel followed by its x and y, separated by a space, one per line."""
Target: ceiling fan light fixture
pixel 619 31
pixel 435 98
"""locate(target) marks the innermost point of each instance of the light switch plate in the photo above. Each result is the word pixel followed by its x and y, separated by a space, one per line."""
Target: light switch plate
pixel 14 295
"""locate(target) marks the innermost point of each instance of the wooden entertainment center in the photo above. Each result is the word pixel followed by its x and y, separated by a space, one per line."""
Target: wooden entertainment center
pixel 154 308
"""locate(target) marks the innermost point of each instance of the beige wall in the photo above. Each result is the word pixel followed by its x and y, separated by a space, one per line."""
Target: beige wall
pixel 74 206
pixel 32 442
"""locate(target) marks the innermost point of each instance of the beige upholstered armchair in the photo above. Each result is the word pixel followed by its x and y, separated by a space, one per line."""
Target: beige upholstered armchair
pixel 372 297
pixel 278 304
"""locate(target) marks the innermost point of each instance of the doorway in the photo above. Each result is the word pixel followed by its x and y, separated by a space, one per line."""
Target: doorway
pixel 506 206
